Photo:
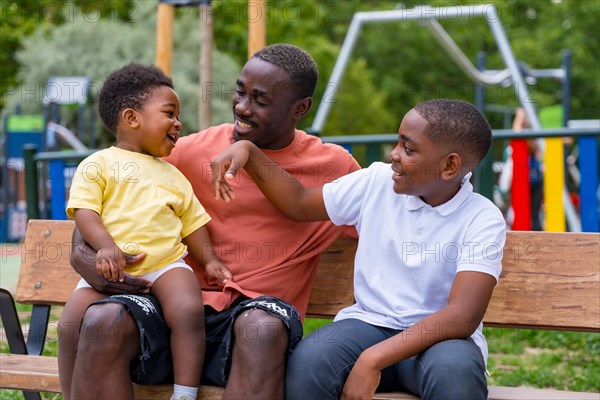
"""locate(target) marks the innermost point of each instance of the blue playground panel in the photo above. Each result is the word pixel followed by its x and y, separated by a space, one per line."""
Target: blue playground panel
pixel 20 130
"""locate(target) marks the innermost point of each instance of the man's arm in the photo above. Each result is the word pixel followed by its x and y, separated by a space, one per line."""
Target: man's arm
pixel 83 261
pixel 283 190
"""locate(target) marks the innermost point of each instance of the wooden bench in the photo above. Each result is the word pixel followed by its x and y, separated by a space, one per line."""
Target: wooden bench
pixel 549 281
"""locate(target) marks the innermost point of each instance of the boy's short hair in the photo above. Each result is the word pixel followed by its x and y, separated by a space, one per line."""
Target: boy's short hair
pixel 296 62
pixel 128 87
pixel 456 122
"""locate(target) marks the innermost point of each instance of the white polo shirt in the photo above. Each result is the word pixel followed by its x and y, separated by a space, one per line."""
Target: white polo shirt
pixel 409 252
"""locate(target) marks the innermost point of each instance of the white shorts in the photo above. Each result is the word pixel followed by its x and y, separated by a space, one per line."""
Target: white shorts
pixel 151 276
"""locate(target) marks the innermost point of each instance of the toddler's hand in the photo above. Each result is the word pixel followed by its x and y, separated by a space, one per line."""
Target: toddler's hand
pixel 219 271
pixel 110 263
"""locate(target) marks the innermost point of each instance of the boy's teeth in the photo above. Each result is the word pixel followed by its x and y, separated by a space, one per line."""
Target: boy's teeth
pixel 244 125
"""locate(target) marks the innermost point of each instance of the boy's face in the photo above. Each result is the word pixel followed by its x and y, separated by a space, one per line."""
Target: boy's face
pixel 263 105
pixel 418 163
pixel 158 125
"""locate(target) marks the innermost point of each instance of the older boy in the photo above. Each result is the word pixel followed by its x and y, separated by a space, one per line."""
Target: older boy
pixel 428 258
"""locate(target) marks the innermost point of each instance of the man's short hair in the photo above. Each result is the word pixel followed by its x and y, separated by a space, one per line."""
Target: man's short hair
pixel 128 87
pixel 456 122
pixel 296 62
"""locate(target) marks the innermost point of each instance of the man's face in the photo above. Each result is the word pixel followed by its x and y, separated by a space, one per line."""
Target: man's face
pixel 263 105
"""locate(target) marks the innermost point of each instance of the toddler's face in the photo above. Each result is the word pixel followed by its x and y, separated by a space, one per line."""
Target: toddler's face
pixel 159 125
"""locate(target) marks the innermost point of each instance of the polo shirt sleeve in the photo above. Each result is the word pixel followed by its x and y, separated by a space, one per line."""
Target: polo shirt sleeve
pixel 344 197
pixel 484 244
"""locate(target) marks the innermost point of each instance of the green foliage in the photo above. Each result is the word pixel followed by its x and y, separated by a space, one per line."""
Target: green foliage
pixel 356 96
pixel 74 49
pixel 18 19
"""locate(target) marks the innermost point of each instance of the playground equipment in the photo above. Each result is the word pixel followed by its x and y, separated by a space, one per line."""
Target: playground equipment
pixel 515 74
pixel 46 133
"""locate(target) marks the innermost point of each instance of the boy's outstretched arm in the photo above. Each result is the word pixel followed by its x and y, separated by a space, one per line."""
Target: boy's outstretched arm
pixel 283 190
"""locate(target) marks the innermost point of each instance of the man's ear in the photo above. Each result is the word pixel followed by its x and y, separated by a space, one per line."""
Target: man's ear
pixel 451 166
pixel 301 107
pixel 130 117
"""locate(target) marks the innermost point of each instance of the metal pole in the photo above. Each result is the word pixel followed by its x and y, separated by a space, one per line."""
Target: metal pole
pixel 31 182
pixel 511 62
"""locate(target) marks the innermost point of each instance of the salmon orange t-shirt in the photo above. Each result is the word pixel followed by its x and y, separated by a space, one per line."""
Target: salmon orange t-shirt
pixel 267 253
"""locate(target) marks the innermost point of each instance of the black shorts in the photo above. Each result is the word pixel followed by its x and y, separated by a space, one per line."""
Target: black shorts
pixel 155 364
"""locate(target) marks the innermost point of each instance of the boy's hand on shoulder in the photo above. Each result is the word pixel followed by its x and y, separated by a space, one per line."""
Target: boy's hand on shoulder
pixel 226 166
pixel 219 271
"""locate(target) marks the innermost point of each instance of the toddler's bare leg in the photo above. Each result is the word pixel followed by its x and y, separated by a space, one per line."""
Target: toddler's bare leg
pixel 180 298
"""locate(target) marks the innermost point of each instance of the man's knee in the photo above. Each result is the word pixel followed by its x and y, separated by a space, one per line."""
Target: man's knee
pixel 258 328
pixel 107 324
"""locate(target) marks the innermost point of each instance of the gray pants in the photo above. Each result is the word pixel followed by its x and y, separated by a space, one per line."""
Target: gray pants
pixel 321 363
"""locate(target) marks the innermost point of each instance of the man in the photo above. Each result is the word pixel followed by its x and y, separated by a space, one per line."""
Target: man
pixel 253 321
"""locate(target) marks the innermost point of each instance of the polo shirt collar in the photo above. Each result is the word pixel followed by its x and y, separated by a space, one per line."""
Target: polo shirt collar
pixel 415 203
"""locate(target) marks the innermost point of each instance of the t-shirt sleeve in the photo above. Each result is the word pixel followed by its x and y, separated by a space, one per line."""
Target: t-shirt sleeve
pixel 193 216
pixel 343 197
pixel 88 185
pixel 482 248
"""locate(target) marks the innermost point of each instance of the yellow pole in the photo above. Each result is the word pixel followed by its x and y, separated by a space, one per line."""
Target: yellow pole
pixel 554 185
pixel 164 37
pixel 257 18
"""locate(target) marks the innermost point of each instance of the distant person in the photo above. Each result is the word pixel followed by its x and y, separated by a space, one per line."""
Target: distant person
pixel 127 201
pixel 534 173
pixel 428 258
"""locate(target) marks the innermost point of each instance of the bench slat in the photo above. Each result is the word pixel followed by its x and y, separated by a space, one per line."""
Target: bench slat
pixel 46 276
pixel 549 281
pixel 41 373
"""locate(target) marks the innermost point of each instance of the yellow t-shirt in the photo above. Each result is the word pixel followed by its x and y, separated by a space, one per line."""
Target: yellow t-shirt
pixel 145 203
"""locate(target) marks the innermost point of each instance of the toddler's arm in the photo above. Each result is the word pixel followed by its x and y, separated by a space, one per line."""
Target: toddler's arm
pixel 83 261
pixel 199 244
pixel 110 261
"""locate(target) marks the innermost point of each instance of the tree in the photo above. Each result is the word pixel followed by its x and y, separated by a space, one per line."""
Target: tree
pixel 18 19
pixel 74 48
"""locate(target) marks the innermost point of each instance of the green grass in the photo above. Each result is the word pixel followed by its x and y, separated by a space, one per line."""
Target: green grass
pixel 544 359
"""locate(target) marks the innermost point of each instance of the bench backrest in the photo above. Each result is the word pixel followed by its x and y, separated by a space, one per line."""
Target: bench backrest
pixel 549 280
